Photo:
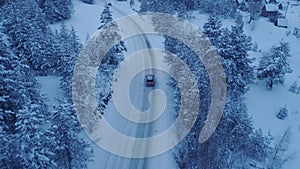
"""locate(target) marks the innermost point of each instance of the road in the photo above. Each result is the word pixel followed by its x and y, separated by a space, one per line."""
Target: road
pixel 139 94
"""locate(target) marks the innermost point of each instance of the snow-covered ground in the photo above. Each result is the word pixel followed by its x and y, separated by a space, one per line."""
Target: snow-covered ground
pixel 262 103
pixel 86 20
pixel 50 89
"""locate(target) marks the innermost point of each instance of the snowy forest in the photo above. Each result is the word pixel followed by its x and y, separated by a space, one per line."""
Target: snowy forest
pixel 42 39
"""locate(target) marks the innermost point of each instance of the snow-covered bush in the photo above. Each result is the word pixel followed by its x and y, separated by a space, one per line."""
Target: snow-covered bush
pixel 282 113
pixel 295 88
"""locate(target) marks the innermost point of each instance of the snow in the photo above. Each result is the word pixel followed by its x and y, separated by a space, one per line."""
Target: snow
pixel 85 20
pixel 281 22
pixel 263 104
pixel 50 89
pixel 137 93
pixel 240 1
pixel 296 32
pixel 136 5
pixel 271 7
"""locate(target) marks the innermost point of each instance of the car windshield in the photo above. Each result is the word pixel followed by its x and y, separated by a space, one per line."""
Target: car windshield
pixel 149 77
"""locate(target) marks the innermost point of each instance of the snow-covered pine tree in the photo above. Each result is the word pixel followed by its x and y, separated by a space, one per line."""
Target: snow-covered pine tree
pixel 57 10
pixel 30 35
pixel 108 65
pixel 50 11
pixel 212 29
pixel 167 6
pixel 68 50
pixel 71 150
pixel 221 8
pixel 63 36
pixel 26 141
pixel 29 138
pixel 237 134
pixel 106 16
pixel 254 7
pixel 233 47
pixel 295 88
pixel 273 66
pixel 22 113
pixel 236 60
pixel 282 113
pixel 106 71
pixel 187 153
pixel 8 81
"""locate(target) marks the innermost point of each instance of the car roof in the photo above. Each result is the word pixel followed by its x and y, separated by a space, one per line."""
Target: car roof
pixel 149 76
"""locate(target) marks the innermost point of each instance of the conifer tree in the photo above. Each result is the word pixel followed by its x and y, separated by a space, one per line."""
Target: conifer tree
pixel 57 10
pixel 273 66
pixel 106 16
pixel 71 151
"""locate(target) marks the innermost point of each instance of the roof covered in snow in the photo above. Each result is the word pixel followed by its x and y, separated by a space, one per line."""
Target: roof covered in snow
pixel 282 22
pixel 271 7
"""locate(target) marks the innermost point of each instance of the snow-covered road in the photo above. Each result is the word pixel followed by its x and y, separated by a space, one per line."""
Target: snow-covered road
pixel 138 95
pixel 85 20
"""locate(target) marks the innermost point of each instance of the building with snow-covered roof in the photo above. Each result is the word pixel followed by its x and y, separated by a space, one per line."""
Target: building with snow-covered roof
pixel 270 11
pixel 282 22
pixel 271 7
pixel 297 32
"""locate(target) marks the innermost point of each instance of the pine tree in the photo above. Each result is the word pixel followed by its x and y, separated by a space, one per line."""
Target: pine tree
pixel 167 6
pixel 31 37
pixel 68 48
pixel 221 8
pixel 71 151
pixel 26 140
pixel 57 10
pixel 105 73
pixel 212 29
pixel 105 17
pixel 30 138
pixel 13 76
pixel 22 113
pixel 274 66
pixel 295 88
pixel 254 8
pixel 108 65
pixel 282 113
pixel 233 47
pixel 237 63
